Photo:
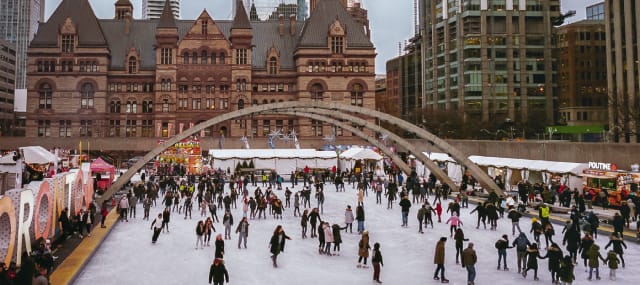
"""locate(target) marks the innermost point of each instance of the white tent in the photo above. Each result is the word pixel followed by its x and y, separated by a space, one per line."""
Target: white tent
pixel 7 164
pixel 282 160
pixel 38 155
pixel 570 171
pixel 349 157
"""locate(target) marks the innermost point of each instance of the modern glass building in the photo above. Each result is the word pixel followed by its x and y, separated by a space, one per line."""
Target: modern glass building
pixel 152 9
pixel 623 64
pixel 489 60
pixel 18 25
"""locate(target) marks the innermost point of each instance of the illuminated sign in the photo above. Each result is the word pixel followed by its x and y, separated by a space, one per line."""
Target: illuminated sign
pixel 32 213
pixel 603 166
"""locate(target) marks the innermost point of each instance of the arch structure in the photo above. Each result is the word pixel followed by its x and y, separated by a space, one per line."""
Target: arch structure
pixel 327 112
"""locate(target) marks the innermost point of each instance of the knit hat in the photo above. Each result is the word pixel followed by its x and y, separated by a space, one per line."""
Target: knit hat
pixel 533 220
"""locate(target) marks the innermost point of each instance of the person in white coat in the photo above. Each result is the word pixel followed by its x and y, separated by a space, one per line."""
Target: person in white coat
pixel 328 238
pixel 348 219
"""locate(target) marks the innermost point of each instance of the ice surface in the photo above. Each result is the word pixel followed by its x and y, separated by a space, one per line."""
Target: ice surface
pixel 128 257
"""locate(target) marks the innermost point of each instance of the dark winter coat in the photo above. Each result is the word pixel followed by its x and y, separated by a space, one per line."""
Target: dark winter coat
pixel 405 204
pixel 304 220
pixel 314 217
pixel 377 256
pixel 617 243
pixel 555 255
pixel 521 242
pixel 218 273
pixel 276 245
pixel 219 248
pixel 566 271
pixel 572 239
pixel 585 245
pixel 359 213
pixel 337 238
pixel 514 216
pixel 532 258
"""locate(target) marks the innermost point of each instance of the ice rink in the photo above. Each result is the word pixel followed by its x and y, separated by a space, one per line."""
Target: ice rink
pixel 128 257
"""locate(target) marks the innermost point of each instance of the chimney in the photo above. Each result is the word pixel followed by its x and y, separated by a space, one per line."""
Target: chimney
pixel 281 18
pixel 292 24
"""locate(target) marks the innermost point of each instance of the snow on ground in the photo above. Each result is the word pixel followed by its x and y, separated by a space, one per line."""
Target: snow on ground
pixel 127 256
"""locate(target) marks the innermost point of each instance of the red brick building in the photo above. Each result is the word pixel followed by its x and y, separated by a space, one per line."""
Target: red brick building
pixel 125 77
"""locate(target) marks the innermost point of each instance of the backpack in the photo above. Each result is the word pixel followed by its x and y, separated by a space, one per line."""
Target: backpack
pixel 497 244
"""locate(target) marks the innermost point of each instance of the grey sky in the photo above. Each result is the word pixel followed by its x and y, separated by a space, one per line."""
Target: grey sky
pixel 391 20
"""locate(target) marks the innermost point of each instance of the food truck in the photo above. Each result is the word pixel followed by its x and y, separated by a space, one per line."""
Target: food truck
pixel 618 183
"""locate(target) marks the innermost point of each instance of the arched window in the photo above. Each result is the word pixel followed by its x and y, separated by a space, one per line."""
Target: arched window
pixel 133 65
pixel 273 65
pixel 254 102
pixel 45 95
pixel 195 58
pixel 86 96
pixel 147 106
pixel 213 58
pixel 357 95
pixel 240 104
pixel 132 106
pixel 264 102
pixel 317 92
pixel 203 57
pixel 165 85
pixel 114 106
pixel 185 58
pixel 222 58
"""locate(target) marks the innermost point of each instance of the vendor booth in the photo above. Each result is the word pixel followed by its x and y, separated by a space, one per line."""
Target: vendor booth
pixel 103 172
pixel 618 184
pixel 185 153
pixel 360 159
pixel 281 160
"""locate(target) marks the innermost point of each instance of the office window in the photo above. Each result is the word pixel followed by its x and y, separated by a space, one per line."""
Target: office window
pixel 147 128
pixel 337 44
pixel 316 128
pixel 68 43
pixel 114 128
pixel 357 95
pixel 147 106
pixel 65 128
pixel 44 128
pixel 130 129
pixel 133 65
pixel 114 106
pixel 166 56
pixel 316 92
pixel 86 128
pixel 45 95
pixel 273 65
pixel 241 56
pixel 86 96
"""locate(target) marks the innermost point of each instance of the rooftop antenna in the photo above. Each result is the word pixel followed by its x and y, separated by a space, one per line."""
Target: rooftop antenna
pixel 399 48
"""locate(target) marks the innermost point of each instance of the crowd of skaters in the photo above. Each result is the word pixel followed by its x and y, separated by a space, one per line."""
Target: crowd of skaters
pixel 179 195
pixel 211 196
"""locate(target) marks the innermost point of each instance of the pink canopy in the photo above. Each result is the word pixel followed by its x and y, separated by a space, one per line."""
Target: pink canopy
pixel 101 166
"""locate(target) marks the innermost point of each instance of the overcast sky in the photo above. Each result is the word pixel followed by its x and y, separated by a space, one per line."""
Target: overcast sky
pixel 391 21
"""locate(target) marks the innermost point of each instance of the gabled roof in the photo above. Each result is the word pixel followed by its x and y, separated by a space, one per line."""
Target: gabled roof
pixel 326 12
pixel 166 19
pixel 141 36
pixel 241 20
pixel 81 14
pixel 124 3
